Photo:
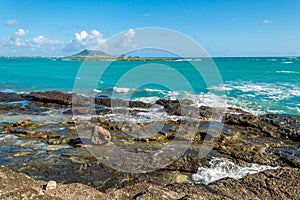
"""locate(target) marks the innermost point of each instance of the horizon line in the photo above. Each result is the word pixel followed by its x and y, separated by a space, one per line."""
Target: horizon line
pixel 231 56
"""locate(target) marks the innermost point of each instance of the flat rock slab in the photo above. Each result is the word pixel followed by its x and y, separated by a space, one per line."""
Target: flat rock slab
pixel 271 184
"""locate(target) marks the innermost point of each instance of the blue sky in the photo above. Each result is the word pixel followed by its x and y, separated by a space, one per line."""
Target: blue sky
pixel 222 27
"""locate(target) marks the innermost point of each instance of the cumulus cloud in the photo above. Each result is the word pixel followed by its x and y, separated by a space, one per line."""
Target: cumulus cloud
pixel 81 36
pixel 12 22
pixel 21 32
pixel 120 44
pixel 127 39
pixel 96 33
pixel 20 43
pixel 266 21
pixel 41 40
pixel 130 33
pixel 17 44
pixel 85 40
pixel 46 46
pixel 16 38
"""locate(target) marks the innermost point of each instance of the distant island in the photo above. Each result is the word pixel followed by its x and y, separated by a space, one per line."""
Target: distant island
pixel 101 55
pixel 91 54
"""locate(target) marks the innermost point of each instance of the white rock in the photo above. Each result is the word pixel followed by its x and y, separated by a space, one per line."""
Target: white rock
pixel 100 135
pixel 51 185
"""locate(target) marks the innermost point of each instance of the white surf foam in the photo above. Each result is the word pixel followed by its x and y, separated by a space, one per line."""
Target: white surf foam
pixel 222 168
pixel 123 89
pixel 142 117
pixel 147 99
pixel 287 72
pixel 287 62
pixel 8 137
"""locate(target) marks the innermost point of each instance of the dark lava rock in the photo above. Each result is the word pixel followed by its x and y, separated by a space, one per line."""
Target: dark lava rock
pixel 108 102
pixel 9 107
pixel 104 101
pixel 139 104
pixel 287 155
pixel 51 97
pixel 163 102
pixel 275 126
pixel 184 108
pixel 8 97
pixel 180 109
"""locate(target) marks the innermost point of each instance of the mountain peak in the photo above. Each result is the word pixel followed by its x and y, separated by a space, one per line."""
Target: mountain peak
pixel 92 53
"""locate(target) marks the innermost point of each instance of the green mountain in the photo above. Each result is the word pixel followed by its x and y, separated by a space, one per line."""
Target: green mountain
pixel 92 53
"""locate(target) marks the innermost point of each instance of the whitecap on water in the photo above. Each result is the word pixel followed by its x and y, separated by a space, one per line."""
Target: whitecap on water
pixel 287 62
pixel 8 137
pixel 122 89
pixel 147 99
pixel 222 168
pixel 287 72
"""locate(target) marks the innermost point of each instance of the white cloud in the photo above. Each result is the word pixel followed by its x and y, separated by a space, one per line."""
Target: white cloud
pixel 266 21
pixel 127 39
pixel 96 33
pixel 147 14
pixel 85 40
pixel 16 38
pixel 41 40
pixel 120 44
pixel 45 46
pixel 20 44
pixel 81 36
pixel 21 32
pixel 130 33
pixel 12 22
pixel 17 44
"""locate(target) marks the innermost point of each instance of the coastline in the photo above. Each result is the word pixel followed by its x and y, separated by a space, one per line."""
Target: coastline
pixel 271 184
pixel 53 151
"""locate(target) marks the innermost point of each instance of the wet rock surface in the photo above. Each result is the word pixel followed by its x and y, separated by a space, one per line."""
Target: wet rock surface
pixel 51 97
pixel 40 138
pixel 100 135
pixel 9 97
pixel 271 184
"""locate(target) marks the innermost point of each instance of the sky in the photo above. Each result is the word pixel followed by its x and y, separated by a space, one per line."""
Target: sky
pixel 221 27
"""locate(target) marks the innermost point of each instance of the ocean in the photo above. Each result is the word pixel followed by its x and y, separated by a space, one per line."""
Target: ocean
pixel 259 85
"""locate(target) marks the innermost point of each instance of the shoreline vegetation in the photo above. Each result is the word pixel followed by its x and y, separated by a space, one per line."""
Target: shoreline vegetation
pixel 53 150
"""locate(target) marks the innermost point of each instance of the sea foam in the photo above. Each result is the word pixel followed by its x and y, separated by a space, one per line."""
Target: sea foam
pixel 222 168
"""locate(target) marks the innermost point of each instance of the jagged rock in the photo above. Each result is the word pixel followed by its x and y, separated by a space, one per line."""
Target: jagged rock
pixel 15 185
pixel 51 185
pixel 127 127
pixel 245 138
pixel 8 97
pixel 139 104
pixel 68 122
pixel 100 135
pixel 51 97
pixel 163 102
pixel 275 126
pixel 271 184
pixel 27 122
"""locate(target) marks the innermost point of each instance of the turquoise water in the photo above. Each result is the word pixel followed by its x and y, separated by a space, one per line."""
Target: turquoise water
pixel 259 85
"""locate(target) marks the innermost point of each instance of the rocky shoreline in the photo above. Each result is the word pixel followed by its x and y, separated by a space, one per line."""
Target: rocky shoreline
pixel 52 150
pixel 270 184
